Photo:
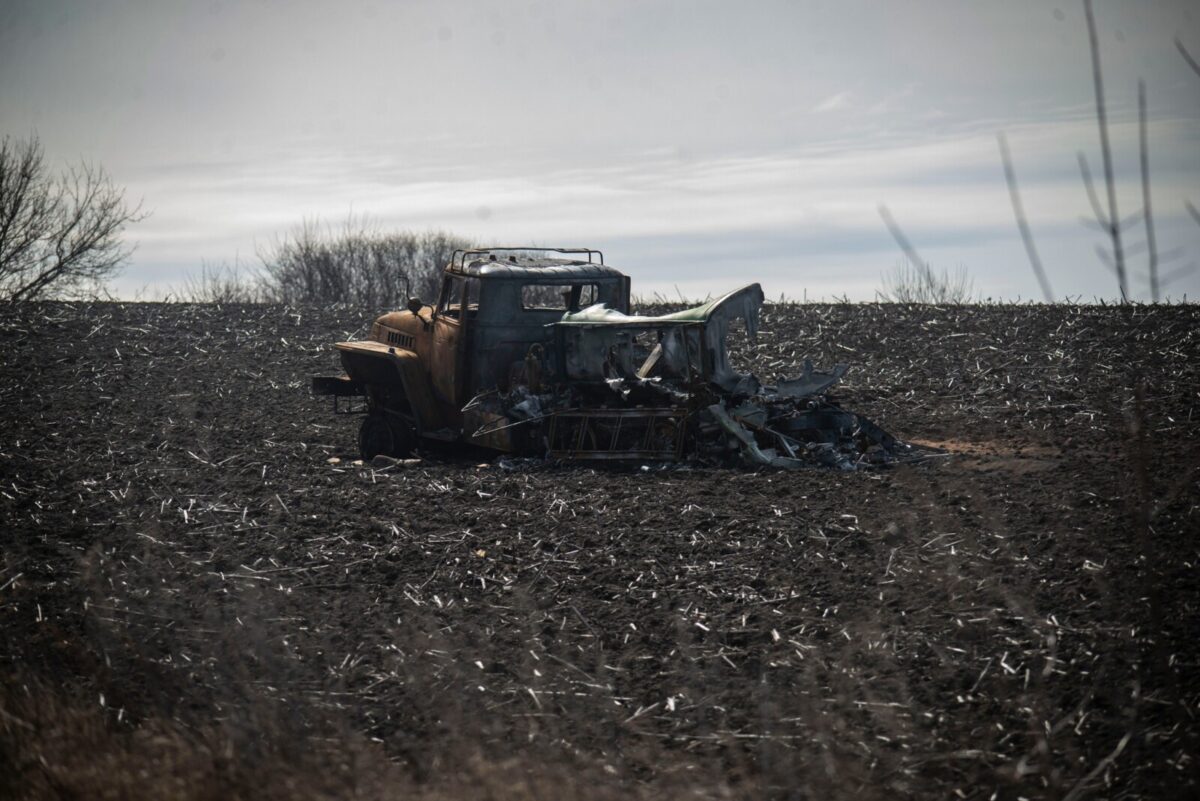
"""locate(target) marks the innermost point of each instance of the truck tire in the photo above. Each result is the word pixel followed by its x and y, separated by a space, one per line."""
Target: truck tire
pixel 380 436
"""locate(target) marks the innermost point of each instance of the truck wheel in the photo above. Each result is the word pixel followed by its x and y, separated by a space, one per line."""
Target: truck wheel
pixel 375 437
pixel 380 436
pixel 404 439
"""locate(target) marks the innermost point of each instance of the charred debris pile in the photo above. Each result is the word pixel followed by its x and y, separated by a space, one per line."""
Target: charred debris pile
pixel 662 387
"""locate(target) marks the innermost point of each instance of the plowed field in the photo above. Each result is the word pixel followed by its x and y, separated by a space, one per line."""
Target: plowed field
pixel 196 603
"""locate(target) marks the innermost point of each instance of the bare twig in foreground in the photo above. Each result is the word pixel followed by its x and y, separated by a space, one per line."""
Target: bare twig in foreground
pixel 1035 261
pixel 1114 229
pixel 901 239
pixel 1191 62
pixel 1152 251
pixel 1081 786
pixel 1187 204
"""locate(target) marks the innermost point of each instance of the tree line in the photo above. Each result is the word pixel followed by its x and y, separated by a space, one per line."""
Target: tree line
pixel 354 263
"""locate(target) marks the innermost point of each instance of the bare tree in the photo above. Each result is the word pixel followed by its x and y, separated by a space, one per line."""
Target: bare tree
pixel 355 264
pixel 60 234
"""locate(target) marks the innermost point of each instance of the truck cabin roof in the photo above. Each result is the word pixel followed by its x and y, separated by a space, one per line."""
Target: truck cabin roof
pixel 535 270
pixel 529 268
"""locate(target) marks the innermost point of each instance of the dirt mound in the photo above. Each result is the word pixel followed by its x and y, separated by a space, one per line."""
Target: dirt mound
pixel 191 589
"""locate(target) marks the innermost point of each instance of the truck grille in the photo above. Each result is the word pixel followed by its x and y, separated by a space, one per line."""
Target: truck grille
pixel 400 340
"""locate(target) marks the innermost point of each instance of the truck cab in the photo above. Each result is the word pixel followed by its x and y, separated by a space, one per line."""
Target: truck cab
pixel 490 328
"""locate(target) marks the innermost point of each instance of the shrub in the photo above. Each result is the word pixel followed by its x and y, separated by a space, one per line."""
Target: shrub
pixel 222 283
pixel 909 283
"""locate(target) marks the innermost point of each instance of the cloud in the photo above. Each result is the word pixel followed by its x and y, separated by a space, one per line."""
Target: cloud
pixel 893 102
pixel 802 219
pixel 729 139
pixel 833 103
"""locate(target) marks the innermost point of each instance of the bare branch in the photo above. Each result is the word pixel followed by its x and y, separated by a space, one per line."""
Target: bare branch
pixel 1035 261
pixel 905 245
pixel 1187 204
pixel 1171 254
pixel 57 235
pixel 1081 786
pixel 1147 214
pixel 1089 185
pixel 1106 259
pixel 1106 152
pixel 27 204
pixel 1191 62
pixel 1172 276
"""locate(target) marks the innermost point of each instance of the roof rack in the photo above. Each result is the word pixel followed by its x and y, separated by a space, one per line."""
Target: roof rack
pixel 459 258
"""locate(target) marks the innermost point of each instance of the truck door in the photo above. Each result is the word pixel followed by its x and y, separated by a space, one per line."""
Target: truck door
pixel 451 323
pixel 449 337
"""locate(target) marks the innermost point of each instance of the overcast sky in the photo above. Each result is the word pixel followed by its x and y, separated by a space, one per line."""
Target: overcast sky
pixel 699 144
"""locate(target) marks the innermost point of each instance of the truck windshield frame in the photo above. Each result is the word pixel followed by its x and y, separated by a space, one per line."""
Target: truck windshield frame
pixel 565 296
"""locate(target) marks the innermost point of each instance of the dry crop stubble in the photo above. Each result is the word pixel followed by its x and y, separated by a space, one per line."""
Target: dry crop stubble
pixel 255 617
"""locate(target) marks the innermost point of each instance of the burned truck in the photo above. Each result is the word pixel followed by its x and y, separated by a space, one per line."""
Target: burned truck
pixel 535 352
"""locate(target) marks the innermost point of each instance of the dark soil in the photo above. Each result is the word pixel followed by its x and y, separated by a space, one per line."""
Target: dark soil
pixel 195 603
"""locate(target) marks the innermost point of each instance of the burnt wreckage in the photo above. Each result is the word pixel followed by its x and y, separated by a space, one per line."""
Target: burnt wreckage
pixel 533 351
